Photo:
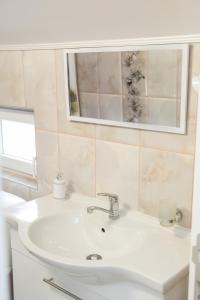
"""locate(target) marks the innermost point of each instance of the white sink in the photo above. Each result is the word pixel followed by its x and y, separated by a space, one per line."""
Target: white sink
pixel 134 247
pixel 74 236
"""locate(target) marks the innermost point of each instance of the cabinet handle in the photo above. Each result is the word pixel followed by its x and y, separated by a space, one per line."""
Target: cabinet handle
pixel 51 283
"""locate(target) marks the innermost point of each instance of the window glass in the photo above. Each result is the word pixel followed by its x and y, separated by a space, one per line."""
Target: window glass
pixel 18 140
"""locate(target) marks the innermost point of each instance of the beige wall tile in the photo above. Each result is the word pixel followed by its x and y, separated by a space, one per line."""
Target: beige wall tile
pixel 177 142
pixel 47 161
pixel 109 73
pixel 194 59
pixel 163 70
pixel 110 107
pixel 11 79
pixel 166 176
pixel 89 105
pixel 36 193
pixel 194 70
pixel 169 141
pixel 162 173
pixel 117 171
pixel 162 112
pixel 118 134
pixel 87 72
pixel 64 125
pixel 15 189
pixel 40 87
pixel 77 162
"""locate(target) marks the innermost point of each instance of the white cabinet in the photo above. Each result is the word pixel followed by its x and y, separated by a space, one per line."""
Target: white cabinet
pixel 29 272
pixel 28 280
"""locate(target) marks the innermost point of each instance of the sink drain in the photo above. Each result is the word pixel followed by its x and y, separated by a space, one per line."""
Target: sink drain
pixel 94 257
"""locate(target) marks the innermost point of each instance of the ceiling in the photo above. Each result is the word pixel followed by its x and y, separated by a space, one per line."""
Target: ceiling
pixel 59 21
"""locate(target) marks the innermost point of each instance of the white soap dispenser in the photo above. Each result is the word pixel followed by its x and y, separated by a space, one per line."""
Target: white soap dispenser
pixel 59 187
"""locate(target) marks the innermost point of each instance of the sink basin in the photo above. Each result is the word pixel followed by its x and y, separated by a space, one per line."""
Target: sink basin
pixel 75 236
pixel 132 248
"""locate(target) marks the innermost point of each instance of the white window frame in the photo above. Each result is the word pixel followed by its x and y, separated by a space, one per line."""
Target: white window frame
pixel 9 162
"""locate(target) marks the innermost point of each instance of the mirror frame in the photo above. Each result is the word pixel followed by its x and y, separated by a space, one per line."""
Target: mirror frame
pixel 184 86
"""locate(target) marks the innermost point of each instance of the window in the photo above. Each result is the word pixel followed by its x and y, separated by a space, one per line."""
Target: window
pixel 17 140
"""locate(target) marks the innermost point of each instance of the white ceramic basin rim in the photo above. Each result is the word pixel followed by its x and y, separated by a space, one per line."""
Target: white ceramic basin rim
pixel 134 246
pixel 72 236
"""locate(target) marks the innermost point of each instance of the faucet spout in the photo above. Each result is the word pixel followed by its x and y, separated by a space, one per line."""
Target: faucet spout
pixel 90 209
pixel 114 206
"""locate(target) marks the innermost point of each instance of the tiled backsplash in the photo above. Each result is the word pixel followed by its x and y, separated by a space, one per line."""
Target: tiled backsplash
pixel 143 167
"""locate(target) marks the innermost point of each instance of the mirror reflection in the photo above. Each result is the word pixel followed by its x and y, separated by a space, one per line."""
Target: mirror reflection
pixel 129 86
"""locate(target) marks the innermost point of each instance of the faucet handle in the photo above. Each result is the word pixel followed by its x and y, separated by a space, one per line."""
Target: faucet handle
pixel 107 195
pixel 114 204
pixel 112 197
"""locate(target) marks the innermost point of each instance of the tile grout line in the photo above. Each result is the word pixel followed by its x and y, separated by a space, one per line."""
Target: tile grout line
pixel 95 164
pixel 23 75
pixel 139 174
pixel 56 96
pixel 26 106
pixel 116 142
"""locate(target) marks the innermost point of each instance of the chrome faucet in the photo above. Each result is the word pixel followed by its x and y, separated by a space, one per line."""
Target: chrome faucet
pixel 114 206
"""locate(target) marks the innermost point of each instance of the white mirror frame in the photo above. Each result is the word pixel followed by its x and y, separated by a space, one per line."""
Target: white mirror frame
pixel 152 127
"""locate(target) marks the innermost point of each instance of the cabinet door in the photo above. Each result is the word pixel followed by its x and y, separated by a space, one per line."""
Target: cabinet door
pixel 28 275
pixel 28 281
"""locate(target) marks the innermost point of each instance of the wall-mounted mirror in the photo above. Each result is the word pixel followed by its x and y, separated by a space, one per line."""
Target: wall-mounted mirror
pixel 137 86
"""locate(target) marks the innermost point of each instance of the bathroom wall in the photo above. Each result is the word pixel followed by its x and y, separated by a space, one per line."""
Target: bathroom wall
pixel 143 167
